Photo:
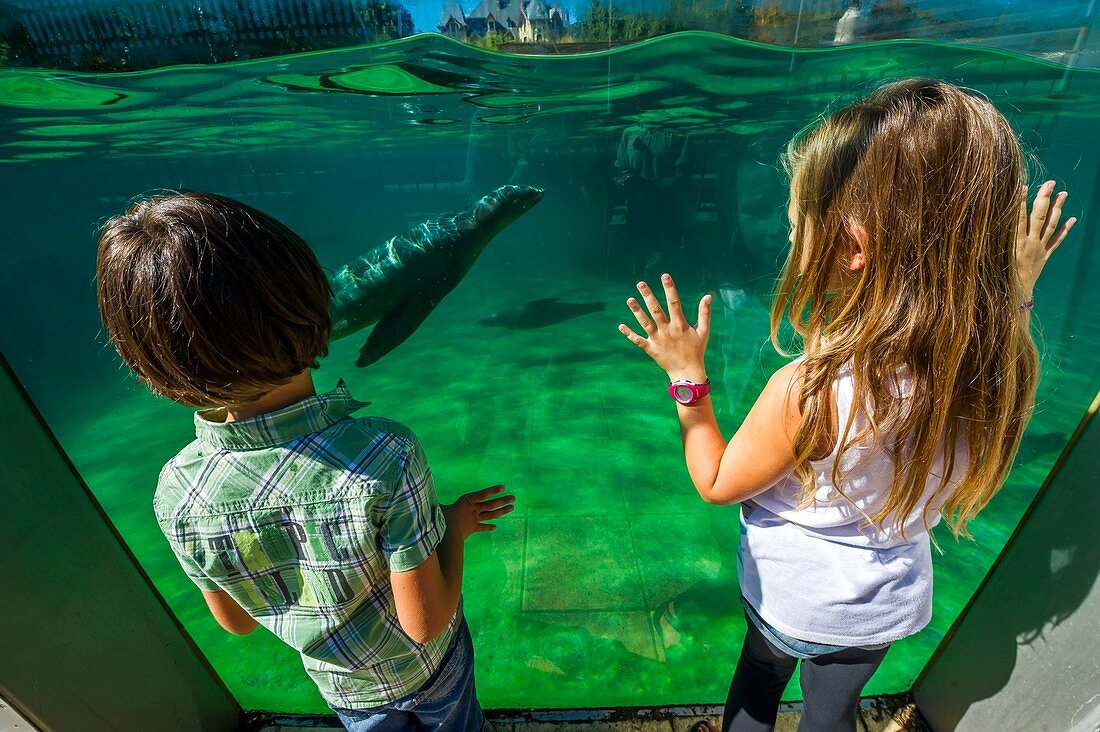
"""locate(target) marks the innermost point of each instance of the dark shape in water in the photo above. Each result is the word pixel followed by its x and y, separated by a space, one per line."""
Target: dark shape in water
pixel 399 283
pixel 539 314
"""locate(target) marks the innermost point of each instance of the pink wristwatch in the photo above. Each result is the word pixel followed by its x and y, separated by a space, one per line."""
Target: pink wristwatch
pixel 688 392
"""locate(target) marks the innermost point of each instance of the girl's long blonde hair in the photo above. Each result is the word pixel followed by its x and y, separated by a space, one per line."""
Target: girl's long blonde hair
pixel 932 174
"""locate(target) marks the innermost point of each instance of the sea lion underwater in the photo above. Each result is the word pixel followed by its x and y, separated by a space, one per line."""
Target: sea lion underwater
pixel 395 286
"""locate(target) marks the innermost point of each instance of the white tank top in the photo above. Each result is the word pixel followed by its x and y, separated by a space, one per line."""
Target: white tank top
pixel 819 574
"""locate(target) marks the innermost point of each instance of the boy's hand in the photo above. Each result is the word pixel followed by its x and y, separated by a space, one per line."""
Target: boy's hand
pixel 673 343
pixel 468 514
pixel 1038 235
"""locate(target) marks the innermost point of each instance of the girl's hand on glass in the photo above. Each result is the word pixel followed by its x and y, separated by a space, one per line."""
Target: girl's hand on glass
pixel 1038 235
pixel 672 342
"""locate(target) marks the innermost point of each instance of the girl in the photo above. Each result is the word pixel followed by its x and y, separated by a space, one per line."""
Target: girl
pixel 909 280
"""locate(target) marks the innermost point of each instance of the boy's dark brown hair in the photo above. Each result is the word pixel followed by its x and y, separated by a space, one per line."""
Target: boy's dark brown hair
pixel 210 301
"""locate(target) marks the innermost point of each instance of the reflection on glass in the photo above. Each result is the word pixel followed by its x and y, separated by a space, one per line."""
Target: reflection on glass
pixel 113 35
pixel 613 584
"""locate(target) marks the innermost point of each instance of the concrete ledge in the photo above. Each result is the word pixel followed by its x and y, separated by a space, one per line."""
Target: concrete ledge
pixel 876 714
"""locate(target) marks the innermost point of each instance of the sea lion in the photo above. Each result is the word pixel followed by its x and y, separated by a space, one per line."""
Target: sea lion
pixel 395 286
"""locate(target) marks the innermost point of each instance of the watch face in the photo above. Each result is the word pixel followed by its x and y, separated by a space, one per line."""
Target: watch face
pixel 683 393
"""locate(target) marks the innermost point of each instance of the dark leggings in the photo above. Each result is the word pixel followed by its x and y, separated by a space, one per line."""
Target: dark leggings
pixel 830 686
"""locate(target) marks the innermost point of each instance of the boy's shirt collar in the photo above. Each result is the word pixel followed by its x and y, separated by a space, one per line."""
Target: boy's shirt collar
pixel 312 414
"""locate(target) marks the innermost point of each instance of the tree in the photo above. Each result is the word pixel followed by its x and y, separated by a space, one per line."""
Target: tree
pixel 120 38
pixel 607 23
pixel 730 17
pixel 385 20
pixel 15 44
pixel 602 23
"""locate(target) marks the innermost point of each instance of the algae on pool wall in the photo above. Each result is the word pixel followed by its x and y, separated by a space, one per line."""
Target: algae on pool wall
pixel 612 584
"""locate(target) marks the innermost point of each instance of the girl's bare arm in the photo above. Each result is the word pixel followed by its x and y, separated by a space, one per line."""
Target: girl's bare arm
pixel 761 452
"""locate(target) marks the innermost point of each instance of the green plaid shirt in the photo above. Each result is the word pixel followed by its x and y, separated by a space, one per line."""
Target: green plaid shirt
pixel 300 515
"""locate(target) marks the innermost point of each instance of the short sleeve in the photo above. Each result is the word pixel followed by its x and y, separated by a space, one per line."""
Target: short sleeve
pixel 173 532
pixel 194 572
pixel 413 523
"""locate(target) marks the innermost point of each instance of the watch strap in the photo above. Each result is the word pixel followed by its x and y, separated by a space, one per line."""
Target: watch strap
pixel 698 391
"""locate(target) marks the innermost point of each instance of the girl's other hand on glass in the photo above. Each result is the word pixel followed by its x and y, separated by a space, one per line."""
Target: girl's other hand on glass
pixel 674 344
pixel 1037 234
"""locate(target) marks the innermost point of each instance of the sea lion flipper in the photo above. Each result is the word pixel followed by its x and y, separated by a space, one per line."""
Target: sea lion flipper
pixel 395 327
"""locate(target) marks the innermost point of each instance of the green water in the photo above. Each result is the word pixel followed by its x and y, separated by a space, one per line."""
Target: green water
pixel 612 584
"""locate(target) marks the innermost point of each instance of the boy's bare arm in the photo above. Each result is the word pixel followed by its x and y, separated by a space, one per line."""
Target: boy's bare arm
pixel 427 595
pixel 228 613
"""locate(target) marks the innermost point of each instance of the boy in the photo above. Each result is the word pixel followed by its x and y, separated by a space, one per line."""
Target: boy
pixel 286 511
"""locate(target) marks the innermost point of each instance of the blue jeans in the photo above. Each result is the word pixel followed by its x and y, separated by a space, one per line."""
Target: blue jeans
pixel 793 646
pixel 446 703
pixel 787 644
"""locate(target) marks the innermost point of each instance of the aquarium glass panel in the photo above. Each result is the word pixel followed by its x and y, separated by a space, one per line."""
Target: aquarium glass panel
pixel 613 583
